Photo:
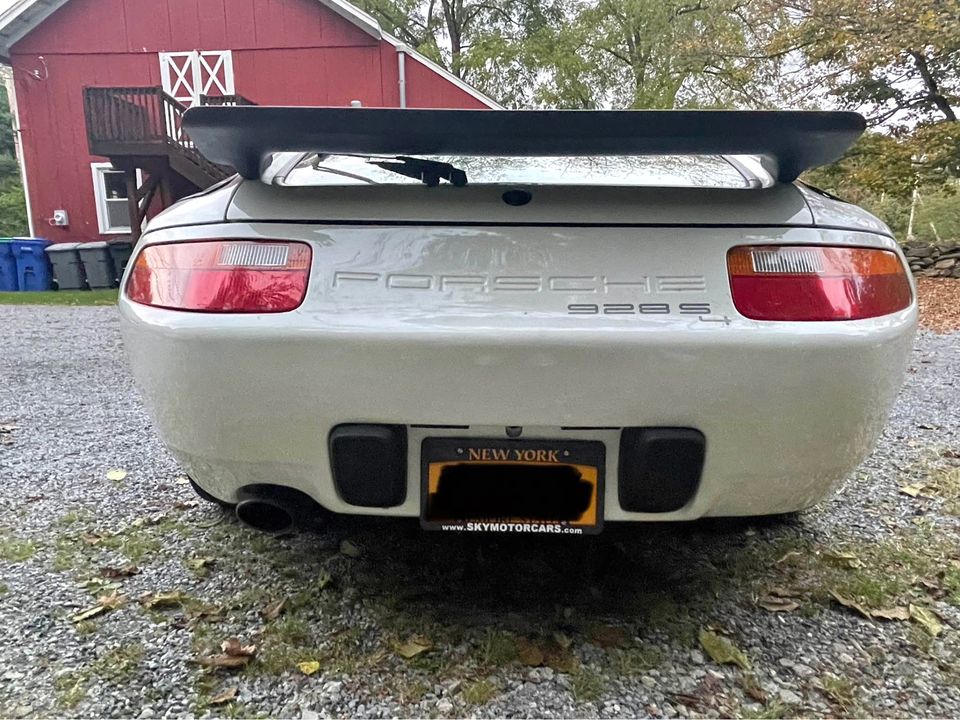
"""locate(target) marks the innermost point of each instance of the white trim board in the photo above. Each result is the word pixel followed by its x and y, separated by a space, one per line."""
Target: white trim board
pixel 100 200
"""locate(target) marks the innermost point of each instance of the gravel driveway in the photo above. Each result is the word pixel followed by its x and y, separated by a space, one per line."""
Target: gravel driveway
pixel 117 589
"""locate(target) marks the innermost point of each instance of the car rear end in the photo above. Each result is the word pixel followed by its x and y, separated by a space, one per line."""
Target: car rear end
pixel 686 351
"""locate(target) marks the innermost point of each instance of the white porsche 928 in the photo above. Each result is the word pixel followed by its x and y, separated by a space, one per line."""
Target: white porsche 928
pixel 520 321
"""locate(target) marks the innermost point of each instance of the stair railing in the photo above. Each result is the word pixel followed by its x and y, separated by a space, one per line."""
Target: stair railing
pixel 137 118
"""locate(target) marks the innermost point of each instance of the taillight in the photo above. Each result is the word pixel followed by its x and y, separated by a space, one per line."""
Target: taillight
pixel 816 283
pixel 224 276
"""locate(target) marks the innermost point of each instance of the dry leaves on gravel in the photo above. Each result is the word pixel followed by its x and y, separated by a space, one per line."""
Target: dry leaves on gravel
pixel 939 303
pixel 226 696
pixel 105 603
pixel 272 610
pixel 112 573
pixel 234 655
pixel 414 646
pixel 722 651
pixel 308 667
pixel 158 601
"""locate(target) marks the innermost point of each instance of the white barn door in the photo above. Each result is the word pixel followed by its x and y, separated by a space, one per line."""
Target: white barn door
pixel 188 75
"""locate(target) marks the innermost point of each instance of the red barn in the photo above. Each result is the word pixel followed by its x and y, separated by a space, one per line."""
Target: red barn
pixel 98 88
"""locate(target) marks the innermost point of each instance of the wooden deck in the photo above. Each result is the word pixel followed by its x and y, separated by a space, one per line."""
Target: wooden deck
pixel 140 128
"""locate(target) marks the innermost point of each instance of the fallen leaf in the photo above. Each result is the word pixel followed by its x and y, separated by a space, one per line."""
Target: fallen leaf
pixel 90 612
pixel 562 640
pixel 234 648
pixel 182 480
pixel 529 653
pixel 105 603
pixel 894 613
pixel 608 636
pixel 926 619
pixel 91 538
pixel 207 613
pixel 843 558
pixel 933 587
pixel 722 651
pixel 308 667
pixel 223 661
pixel 783 592
pixel 112 601
pixel 778 604
pixel 226 696
pixel 99 586
pixel 913 489
pixel 116 475
pixel 185 504
pixel 272 611
pixel 850 603
pixel 120 572
pixel 155 601
pixel 349 549
pixel 199 563
pixel 414 646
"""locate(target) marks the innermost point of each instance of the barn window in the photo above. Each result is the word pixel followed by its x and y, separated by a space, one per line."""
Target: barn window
pixel 110 191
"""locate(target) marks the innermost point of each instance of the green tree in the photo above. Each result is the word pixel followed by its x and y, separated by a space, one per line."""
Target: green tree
pixel 472 38
pixel 662 54
pixel 897 60
pixel 13 210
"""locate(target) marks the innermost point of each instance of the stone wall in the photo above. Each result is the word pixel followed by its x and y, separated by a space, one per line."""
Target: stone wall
pixel 928 260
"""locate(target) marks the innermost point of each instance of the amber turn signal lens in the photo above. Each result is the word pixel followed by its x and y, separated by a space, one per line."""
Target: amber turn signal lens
pixel 813 283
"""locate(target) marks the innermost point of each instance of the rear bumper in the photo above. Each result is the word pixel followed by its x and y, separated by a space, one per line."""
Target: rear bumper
pixel 788 410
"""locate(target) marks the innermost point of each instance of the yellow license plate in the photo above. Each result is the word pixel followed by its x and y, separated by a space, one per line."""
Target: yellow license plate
pixel 522 486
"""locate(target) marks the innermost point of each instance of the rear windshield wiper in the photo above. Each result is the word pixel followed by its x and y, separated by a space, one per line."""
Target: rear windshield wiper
pixel 429 172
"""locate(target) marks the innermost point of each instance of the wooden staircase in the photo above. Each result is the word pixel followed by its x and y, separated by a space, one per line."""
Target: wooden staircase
pixel 140 128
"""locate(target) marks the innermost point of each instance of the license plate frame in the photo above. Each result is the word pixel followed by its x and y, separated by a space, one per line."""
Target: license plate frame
pixel 583 455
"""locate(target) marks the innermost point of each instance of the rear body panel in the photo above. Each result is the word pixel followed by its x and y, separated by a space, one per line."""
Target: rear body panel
pixel 588 310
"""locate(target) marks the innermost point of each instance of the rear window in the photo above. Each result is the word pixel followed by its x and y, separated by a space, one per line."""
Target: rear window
pixel 710 171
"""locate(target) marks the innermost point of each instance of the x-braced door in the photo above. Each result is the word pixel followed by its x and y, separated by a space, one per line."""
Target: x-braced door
pixel 186 76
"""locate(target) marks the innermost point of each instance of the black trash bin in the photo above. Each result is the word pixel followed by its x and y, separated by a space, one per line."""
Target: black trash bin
pixel 67 267
pixel 121 248
pixel 97 264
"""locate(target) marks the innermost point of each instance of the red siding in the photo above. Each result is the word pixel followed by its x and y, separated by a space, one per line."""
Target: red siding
pixel 284 52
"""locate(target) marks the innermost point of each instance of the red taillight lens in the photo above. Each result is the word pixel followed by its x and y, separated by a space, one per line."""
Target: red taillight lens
pixel 225 276
pixel 816 283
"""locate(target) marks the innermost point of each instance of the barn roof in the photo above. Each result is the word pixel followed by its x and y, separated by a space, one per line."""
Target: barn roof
pixel 25 15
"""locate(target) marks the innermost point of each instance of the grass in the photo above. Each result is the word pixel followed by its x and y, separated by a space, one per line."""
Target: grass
pixel 498 649
pixel 479 692
pixel 115 666
pixel 842 693
pixel 13 549
pixel 635 659
pixel 773 711
pixel 60 297
pixel 587 685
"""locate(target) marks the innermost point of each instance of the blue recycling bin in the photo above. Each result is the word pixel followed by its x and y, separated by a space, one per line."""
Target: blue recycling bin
pixel 33 266
pixel 8 267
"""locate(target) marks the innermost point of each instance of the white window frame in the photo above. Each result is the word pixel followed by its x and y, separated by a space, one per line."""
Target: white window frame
pixel 187 76
pixel 97 171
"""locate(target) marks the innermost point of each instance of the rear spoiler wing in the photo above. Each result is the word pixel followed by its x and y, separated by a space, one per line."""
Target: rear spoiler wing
pixel 788 142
